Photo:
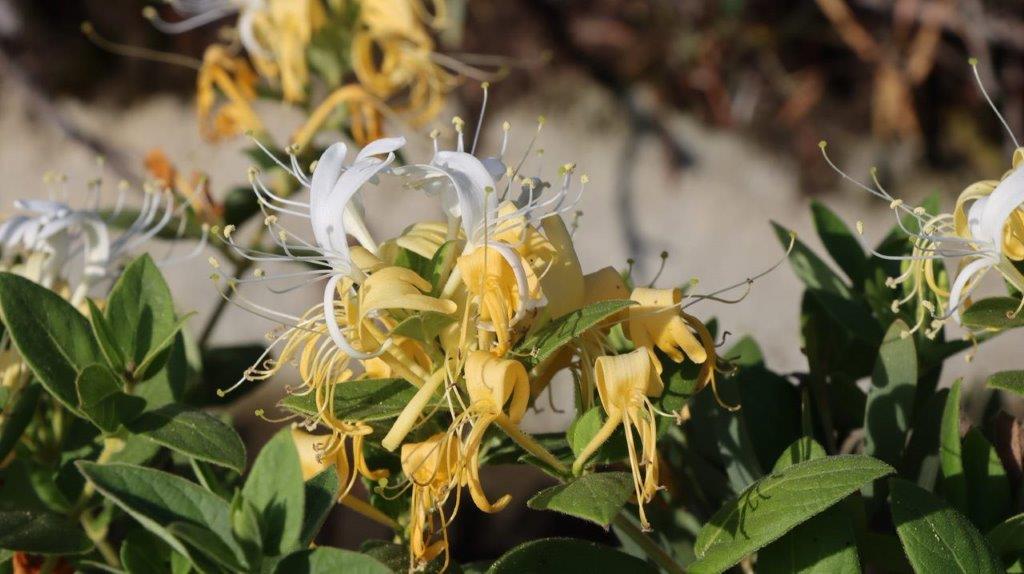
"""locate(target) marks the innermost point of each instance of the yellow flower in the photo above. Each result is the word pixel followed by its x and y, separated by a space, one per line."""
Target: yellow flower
pixel 391 289
pixel 433 469
pixel 236 81
pixel 624 383
pixel 392 52
pixel 657 322
pixel 275 34
pixel 13 371
pixel 364 111
pixel 495 283
pixel 491 384
pixel 317 452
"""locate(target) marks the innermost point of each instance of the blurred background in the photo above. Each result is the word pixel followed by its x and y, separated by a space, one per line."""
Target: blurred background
pixel 697 123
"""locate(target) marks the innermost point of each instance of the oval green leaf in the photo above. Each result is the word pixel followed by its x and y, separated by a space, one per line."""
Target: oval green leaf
pixel 778 502
pixel 54 339
pixel 567 556
pixel 193 433
pixel 936 537
pixel 596 497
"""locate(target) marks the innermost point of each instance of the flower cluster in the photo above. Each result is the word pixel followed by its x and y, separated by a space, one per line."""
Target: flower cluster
pixel 985 232
pixel 458 309
pixel 376 58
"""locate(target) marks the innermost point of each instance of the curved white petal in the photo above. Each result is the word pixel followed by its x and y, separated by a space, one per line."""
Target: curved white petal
pixel 382 146
pixel 470 180
pixel 956 293
pixel 328 169
pixel 1006 197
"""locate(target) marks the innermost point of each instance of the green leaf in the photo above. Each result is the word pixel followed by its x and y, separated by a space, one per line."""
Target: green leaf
pixel 770 403
pixel 17 417
pixel 143 553
pixel 208 544
pixel 583 429
pixel 362 400
pixel 954 483
pixel 157 499
pixel 560 331
pixel 844 248
pixel 102 401
pixel 596 497
pixel 890 406
pixel 936 537
pixel 567 556
pixel 1007 538
pixel 777 503
pixel 921 460
pixel 276 489
pixel 829 290
pixel 140 311
pixel 221 366
pixel 1012 381
pixel 245 524
pixel 809 268
pixel 442 263
pixel 321 495
pixel 160 351
pixel 193 433
pixel 41 532
pixel 803 450
pixel 824 544
pixel 424 327
pixel 104 334
pixel 327 560
pixel 680 383
pixel 992 313
pixel 988 488
pixel 54 339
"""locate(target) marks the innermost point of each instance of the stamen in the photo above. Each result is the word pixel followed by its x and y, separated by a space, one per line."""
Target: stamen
pixel 981 86
pixel 138 52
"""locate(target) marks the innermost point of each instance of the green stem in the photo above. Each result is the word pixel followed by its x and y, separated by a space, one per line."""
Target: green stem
pixel 98 537
pixel 653 550
pixel 530 445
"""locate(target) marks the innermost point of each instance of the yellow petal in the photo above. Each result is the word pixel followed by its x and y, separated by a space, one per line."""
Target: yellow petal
pixel 491 382
pixel 655 322
pixel 621 379
pixel 563 283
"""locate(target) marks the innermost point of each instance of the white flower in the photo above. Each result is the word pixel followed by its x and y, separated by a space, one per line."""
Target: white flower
pixel 469 189
pixel 59 234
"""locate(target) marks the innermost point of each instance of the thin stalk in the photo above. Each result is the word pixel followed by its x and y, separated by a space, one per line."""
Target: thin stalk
pixel 652 549
pixel 530 445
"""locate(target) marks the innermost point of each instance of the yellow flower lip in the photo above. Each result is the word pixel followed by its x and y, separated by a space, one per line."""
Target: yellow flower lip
pixel 656 322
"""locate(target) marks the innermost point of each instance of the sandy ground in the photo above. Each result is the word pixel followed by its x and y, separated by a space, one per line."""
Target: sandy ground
pixel 713 219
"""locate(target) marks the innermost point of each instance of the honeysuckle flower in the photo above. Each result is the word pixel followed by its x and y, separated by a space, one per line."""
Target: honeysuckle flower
pixel 625 384
pixel 318 452
pixel 275 34
pixel 499 390
pixel 235 80
pixel 981 237
pixel 432 468
pixel 60 236
pixel 655 322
